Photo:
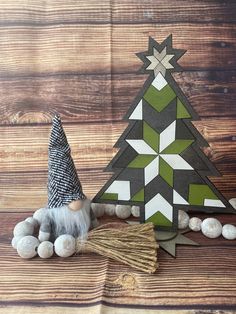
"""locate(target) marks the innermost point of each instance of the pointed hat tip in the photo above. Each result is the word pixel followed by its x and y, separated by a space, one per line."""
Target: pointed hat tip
pixel 57 136
pixel 56 118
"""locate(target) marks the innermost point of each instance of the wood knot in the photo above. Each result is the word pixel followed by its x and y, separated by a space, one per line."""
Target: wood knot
pixel 127 281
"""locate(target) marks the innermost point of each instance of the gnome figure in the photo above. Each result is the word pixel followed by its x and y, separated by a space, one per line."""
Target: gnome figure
pixel 68 210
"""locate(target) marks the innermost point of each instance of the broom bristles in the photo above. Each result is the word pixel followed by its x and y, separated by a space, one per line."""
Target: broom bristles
pixel 133 245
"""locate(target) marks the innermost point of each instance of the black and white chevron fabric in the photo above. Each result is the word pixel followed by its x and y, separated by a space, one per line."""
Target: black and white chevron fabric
pixel 63 182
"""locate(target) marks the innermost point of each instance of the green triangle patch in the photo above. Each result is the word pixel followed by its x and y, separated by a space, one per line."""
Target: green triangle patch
pixel 182 112
pixel 138 197
pixel 199 192
pixel 159 220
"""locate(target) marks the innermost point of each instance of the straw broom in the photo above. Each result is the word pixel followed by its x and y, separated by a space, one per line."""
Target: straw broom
pixel 134 245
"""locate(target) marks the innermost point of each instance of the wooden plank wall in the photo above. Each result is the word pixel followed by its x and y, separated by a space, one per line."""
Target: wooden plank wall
pixel 77 58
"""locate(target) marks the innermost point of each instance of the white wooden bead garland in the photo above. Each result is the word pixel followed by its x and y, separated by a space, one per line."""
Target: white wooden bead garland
pixel 28 245
pixel 121 211
pixel 210 227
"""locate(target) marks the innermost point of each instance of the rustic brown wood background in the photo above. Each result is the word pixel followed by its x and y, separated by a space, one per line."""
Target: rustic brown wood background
pixel 77 58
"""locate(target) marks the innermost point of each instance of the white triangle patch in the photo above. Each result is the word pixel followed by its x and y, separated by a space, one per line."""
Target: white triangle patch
pixel 178 199
pixel 137 114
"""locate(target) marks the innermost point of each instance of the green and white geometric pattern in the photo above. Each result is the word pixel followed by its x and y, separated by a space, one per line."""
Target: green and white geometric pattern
pixel 156 170
pixel 159 154
pixel 160 61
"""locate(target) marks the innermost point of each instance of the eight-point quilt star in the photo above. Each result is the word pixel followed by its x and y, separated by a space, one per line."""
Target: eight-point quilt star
pixel 160 58
pixel 160 61
pixel 159 154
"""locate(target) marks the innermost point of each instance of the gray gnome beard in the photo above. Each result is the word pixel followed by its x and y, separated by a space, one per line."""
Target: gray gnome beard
pixel 65 221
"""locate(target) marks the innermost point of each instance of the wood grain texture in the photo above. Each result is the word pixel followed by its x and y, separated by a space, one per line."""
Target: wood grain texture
pixel 24 148
pixel 104 309
pixel 26 191
pixel 185 282
pixel 23 172
pixel 100 98
pixel 77 58
pixel 181 11
pixel 29 50
pixel 46 12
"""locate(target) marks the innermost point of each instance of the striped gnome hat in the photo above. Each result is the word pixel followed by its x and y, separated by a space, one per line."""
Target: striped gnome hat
pixel 63 182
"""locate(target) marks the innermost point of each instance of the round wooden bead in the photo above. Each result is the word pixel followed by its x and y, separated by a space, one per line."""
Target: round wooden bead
pixel 123 211
pixel 183 219
pixel 65 245
pixel 211 228
pixel 110 209
pixel 23 228
pixel 32 221
pixel 27 247
pixel 229 232
pixel 15 240
pixel 98 209
pixel 195 224
pixel 135 211
pixel 41 215
pixel 45 249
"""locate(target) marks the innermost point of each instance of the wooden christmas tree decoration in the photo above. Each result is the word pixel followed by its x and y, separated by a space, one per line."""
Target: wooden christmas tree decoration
pixel 160 165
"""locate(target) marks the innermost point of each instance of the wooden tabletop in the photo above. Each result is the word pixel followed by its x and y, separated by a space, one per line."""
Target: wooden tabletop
pixel 199 279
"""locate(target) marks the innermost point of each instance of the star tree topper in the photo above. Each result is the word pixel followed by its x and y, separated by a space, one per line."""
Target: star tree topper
pixel 161 57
